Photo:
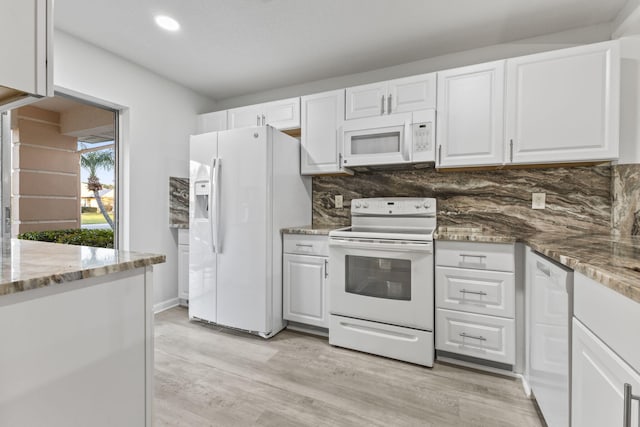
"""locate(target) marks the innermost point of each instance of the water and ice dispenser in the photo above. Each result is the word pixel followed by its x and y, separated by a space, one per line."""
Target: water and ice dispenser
pixel 202 191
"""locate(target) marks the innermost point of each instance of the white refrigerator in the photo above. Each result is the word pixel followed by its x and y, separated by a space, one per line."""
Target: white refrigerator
pixel 245 186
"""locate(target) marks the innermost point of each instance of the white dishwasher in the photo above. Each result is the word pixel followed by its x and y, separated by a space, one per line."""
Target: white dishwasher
pixel 549 289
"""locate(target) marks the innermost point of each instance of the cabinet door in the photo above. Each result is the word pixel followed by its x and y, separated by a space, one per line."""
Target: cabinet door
pixel 25 42
pixel 471 115
pixel 366 100
pixel 321 139
pixel 244 117
pixel 305 289
pixel 183 272
pixel 212 122
pixel 597 382
pixel 564 105
pixel 283 114
pixel 412 93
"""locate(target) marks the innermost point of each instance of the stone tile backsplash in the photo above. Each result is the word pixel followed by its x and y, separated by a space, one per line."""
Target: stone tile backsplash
pixel 578 199
pixel 625 207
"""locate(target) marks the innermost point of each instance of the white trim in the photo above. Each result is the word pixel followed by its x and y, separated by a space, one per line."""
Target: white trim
pixel 166 305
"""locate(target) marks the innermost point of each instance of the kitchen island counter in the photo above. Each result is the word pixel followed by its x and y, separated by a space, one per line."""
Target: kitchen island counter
pixel 76 327
pixel 32 265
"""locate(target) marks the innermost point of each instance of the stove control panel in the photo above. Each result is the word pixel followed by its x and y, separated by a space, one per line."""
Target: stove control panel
pixel 381 206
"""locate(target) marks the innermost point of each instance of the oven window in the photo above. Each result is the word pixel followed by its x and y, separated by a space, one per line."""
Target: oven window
pixel 378 277
pixel 376 144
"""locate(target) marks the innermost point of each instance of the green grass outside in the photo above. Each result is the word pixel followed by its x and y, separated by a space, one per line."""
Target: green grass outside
pixel 94 218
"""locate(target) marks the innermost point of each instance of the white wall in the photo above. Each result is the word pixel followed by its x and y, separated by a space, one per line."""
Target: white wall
pixel 560 40
pixel 160 116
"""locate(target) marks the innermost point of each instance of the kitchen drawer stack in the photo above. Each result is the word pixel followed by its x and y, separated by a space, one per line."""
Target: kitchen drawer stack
pixel 475 301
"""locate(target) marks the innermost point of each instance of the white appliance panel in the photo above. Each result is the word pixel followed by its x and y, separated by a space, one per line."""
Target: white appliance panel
pixel 244 194
pixel 202 258
pixel 550 340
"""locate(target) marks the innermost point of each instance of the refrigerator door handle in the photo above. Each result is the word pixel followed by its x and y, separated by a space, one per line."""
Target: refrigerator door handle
pixel 216 208
pixel 211 206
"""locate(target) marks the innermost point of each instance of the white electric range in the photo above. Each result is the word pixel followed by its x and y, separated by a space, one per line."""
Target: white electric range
pixel 382 279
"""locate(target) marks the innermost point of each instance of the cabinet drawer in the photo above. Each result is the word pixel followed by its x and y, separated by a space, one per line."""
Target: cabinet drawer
pixel 474 291
pixel 476 335
pixel 306 244
pixel 481 256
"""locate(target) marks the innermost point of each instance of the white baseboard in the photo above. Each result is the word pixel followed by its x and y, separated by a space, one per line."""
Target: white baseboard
pixel 166 305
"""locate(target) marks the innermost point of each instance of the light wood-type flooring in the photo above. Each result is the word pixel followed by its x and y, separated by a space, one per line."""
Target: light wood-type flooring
pixel 212 376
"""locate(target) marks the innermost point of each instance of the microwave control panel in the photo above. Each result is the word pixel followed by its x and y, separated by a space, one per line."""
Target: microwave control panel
pixel 423 147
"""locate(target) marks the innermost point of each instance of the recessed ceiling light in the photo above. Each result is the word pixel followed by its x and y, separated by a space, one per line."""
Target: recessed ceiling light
pixel 167 23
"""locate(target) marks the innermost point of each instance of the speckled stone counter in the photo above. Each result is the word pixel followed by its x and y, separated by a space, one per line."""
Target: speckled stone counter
pixel 611 260
pixel 309 230
pixel 32 265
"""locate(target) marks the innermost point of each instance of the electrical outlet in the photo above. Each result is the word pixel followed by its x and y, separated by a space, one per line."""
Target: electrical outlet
pixel 338 201
pixel 538 200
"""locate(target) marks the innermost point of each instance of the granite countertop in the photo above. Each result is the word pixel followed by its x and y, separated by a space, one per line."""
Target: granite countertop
pixel 32 265
pixel 309 230
pixel 610 260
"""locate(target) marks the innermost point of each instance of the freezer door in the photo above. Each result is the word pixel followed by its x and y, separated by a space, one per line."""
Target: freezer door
pixel 244 282
pixel 202 257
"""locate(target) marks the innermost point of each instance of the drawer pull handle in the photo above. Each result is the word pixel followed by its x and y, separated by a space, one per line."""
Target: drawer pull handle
pixel 543 268
pixel 300 245
pixel 472 256
pixel 479 338
pixel 481 293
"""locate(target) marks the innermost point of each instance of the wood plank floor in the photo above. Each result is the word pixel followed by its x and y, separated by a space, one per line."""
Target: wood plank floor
pixel 211 376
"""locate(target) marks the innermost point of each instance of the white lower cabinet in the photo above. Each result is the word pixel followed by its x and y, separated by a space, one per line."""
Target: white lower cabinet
pixel 475 300
pixel 183 266
pixel 605 356
pixel 305 280
pixel 598 380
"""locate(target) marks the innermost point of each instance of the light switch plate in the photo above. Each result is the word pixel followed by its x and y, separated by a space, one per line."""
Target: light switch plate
pixel 538 200
pixel 338 201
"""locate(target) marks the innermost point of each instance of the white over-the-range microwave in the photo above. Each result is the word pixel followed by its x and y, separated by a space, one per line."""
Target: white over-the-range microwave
pixel 387 140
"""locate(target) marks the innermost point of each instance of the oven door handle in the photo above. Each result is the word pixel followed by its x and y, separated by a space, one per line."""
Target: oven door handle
pixel 378 245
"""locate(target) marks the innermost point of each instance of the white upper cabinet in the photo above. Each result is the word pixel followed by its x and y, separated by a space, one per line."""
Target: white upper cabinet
pixel 366 100
pixel 411 93
pixel 243 117
pixel 26 34
pixel 393 96
pixel 212 122
pixel 471 116
pixel 321 138
pixel 564 105
pixel 282 114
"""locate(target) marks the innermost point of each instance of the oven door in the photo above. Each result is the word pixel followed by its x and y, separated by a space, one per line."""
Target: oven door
pixel 386 281
pixel 377 141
